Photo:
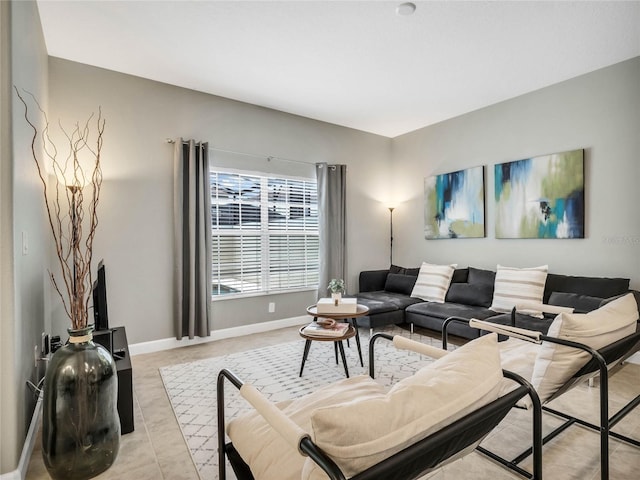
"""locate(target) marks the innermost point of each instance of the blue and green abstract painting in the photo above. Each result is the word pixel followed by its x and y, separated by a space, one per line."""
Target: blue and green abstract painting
pixel 454 204
pixel 541 197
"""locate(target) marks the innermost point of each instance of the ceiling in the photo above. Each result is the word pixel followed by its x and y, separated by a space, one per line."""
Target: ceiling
pixel 356 63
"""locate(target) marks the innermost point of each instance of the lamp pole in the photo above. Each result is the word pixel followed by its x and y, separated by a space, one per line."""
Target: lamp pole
pixel 391 236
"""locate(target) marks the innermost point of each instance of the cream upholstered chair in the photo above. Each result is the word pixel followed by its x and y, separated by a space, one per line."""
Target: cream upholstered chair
pixel 356 429
pixel 577 346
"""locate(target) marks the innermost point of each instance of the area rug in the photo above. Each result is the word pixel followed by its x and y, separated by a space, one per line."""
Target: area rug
pixel 191 387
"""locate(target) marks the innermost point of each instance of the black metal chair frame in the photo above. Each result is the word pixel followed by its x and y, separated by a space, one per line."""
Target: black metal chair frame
pixel 600 363
pixel 414 460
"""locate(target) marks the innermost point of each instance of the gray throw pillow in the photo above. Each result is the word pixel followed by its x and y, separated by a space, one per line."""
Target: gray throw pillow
pixel 479 276
pixel 398 283
pixel 479 295
pixel 580 303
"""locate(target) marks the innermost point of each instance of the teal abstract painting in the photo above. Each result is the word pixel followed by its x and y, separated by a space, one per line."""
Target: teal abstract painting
pixel 541 197
pixel 454 204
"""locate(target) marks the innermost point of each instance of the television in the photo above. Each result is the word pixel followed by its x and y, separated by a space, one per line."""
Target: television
pixel 100 315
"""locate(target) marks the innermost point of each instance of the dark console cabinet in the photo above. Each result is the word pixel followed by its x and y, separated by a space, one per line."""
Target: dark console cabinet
pixel 125 381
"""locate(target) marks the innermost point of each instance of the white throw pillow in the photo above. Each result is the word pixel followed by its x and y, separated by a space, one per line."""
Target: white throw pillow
pixel 433 282
pixel 359 434
pixel 556 364
pixel 519 285
pixel 266 452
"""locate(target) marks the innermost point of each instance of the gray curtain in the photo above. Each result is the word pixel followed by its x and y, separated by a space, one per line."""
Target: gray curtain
pixel 192 251
pixel 332 223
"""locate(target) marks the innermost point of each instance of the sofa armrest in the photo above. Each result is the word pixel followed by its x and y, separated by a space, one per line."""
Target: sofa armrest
pixel 372 280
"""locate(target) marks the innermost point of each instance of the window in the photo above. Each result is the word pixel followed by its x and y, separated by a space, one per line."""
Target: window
pixel 264 233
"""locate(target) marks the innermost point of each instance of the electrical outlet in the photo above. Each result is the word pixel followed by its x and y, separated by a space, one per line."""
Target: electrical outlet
pixel 272 307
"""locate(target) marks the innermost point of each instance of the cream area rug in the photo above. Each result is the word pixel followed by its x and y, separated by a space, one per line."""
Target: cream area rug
pixel 273 370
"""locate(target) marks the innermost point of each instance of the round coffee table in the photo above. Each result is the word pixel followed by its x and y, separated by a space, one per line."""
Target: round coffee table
pixel 337 344
pixel 361 311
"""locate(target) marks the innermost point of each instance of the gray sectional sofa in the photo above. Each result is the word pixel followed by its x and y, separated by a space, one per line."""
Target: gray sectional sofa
pixel 387 293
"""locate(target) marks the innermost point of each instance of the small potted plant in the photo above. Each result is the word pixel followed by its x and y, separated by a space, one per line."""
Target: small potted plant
pixel 336 287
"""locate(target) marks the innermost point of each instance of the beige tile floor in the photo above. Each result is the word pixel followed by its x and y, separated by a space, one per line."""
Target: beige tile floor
pixel 156 449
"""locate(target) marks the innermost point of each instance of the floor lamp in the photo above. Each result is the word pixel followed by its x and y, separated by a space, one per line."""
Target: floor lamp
pixel 391 236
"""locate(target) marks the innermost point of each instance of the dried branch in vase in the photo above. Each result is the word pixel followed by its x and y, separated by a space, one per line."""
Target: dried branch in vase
pixel 71 205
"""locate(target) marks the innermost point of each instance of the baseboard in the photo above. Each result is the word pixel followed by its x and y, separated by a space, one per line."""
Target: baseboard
pixel 169 343
pixel 27 449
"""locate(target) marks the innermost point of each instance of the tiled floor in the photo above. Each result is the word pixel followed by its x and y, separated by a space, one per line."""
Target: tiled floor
pixel 156 449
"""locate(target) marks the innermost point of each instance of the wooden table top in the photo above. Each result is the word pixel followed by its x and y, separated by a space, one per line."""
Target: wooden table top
pixel 361 310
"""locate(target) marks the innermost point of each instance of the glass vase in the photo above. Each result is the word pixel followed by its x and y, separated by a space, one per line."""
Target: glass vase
pixel 80 425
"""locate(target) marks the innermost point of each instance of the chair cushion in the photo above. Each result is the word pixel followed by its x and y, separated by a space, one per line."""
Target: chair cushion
pixel 556 364
pixel 517 285
pixel 363 432
pixel 433 282
pixel 264 450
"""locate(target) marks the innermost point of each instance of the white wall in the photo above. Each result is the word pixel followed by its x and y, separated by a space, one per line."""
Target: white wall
pixel 135 232
pixel 23 277
pixel 599 112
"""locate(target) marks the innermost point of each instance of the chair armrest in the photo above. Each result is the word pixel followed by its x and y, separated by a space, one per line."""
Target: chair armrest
pixel 404 343
pixel 515 332
pixel 543 307
pixel 287 428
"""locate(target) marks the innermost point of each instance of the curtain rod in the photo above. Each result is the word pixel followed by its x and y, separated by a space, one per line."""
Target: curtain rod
pixel 268 157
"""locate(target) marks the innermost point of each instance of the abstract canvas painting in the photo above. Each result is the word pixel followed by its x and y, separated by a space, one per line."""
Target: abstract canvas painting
pixel 454 204
pixel 541 197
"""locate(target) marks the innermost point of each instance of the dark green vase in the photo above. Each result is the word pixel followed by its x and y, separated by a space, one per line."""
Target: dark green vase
pixel 80 425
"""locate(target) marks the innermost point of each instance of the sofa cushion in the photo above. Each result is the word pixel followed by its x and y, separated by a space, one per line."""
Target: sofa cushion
pixel 400 283
pixel 363 432
pixel 470 294
pixel 433 282
pixel 266 452
pixel 460 275
pixel 390 300
pixel 593 286
pixel 397 269
pixel 446 310
pixel 483 277
pixel 555 364
pixel 580 303
pixel 377 302
pixel 518 285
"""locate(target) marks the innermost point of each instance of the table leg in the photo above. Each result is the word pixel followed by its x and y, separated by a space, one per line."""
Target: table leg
pixel 335 348
pixel 344 358
pixel 355 325
pixel 307 345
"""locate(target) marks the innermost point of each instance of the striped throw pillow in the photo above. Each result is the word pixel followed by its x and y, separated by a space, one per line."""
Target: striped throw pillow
pixel 433 282
pixel 514 286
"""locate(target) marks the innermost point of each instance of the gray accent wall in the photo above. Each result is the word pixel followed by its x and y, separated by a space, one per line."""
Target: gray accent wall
pixel 135 232
pixel 599 112
pixel 23 277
